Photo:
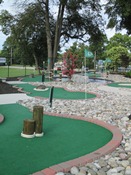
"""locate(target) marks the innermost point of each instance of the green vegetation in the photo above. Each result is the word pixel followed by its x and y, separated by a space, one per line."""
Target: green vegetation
pixel 15 72
pixel 120 85
pixel 128 74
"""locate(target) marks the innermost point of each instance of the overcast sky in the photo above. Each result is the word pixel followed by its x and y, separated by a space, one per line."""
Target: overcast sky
pixel 8 6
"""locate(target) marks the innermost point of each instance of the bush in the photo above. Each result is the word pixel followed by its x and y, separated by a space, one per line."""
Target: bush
pixel 128 74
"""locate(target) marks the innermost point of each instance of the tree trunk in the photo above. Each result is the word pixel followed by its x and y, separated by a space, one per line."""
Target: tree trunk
pixel 38 117
pixel 52 52
pixel 36 63
pixel 48 33
pixel 28 128
pixel 58 30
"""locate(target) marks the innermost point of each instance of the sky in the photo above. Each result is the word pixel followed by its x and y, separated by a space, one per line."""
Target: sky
pixel 7 5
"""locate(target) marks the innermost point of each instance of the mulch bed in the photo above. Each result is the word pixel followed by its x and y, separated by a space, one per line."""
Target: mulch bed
pixel 6 88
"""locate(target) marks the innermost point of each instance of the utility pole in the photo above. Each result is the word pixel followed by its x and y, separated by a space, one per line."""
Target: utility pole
pixel 95 61
pixel 11 56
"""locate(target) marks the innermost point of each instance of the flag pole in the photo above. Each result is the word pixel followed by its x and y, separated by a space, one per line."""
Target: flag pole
pixel 85 79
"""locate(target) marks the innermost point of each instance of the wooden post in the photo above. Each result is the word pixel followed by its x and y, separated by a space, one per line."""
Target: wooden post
pixel 28 128
pixel 60 74
pixel 38 117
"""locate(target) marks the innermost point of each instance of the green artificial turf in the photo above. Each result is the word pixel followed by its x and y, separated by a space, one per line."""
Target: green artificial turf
pixel 92 75
pixel 64 139
pixel 119 85
pixel 35 79
pixel 59 93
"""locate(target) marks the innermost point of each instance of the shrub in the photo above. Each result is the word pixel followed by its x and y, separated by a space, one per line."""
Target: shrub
pixel 128 74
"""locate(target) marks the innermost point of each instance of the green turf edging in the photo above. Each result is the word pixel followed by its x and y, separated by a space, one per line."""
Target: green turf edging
pixel 59 93
pixel 64 139
pixel 37 78
pixel 118 85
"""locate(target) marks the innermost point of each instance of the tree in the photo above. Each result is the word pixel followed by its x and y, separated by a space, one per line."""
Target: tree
pixel 98 46
pixel 120 40
pixel 6 21
pixel 119 56
pixel 7 50
pixel 119 14
pixel 69 61
pixel 27 34
pixel 76 19
pixel 78 49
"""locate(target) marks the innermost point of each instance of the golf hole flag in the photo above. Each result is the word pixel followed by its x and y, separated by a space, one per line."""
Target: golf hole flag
pixel 88 54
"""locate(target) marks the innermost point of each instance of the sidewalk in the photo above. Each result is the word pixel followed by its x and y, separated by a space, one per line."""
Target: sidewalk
pixel 13 98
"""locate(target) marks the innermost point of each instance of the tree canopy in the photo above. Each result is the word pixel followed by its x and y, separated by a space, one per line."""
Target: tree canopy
pixel 119 56
pixel 119 14
pixel 75 19
pixel 120 40
pixel 27 35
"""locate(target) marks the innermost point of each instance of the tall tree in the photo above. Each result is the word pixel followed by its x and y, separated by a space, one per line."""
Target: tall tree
pixel 120 40
pixel 28 34
pixel 76 19
pixel 119 56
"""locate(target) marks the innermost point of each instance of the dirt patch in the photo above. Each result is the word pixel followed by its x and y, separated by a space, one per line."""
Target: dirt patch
pixel 6 88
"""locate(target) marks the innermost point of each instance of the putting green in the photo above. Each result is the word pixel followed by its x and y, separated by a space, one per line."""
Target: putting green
pixel 59 93
pixel 64 139
pixel 35 79
pixel 92 75
pixel 121 85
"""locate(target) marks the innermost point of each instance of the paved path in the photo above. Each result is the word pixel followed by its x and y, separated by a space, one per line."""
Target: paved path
pixel 13 98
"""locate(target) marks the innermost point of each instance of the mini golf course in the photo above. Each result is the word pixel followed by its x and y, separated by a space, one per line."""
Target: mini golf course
pixel 120 85
pixel 59 93
pixel 64 139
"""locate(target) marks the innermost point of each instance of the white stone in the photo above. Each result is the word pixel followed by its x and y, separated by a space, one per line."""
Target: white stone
pixel 74 170
pixel 59 173
pixel 97 165
pixel 120 169
pixel 128 171
pixel 125 163
pixel 125 119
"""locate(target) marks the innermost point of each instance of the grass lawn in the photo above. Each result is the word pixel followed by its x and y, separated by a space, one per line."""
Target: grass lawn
pixel 15 72
pixel 64 139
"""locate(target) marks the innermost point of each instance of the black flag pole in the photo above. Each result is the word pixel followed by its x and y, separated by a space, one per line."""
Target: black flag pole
pixel 51 96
